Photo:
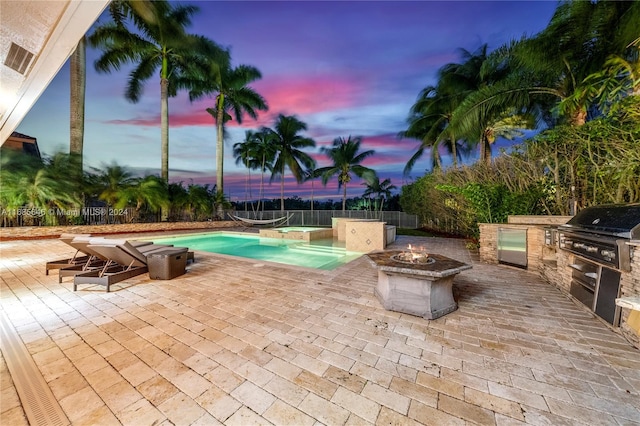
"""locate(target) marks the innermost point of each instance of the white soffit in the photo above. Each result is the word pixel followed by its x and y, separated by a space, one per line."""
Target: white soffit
pixel 48 29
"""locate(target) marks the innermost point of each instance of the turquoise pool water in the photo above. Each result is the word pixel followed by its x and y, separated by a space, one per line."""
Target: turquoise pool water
pixel 318 254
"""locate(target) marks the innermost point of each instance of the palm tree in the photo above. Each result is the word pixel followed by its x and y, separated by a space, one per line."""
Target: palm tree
pixel 346 160
pixel 618 79
pixel 428 122
pixel 179 201
pixel 220 204
pixel 381 190
pixel 550 69
pixel 158 43
pixel 265 153
pixel 114 185
pixel 311 175
pixel 431 115
pixel 288 144
pixel 245 153
pixel 41 185
pixel 232 94
pixel 150 192
pixel 14 167
pixel 201 199
pixel 461 80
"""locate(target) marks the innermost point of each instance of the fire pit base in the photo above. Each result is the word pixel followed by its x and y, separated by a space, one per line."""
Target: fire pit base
pixel 427 298
pixel 424 290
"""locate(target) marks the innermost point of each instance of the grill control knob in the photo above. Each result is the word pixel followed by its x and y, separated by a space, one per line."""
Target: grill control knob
pixel 591 249
pixel 608 254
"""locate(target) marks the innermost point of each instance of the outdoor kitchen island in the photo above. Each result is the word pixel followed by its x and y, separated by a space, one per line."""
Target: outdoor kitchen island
pixel 416 286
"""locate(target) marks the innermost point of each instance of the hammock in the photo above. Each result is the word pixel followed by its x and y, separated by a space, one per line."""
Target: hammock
pixel 260 222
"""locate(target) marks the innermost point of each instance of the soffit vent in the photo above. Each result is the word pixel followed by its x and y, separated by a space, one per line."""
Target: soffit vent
pixel 18 58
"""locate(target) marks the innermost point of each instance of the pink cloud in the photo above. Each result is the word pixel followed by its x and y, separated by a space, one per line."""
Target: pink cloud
pixel 284 94
pixel 191 117
pixel 308 94
pixel 385 141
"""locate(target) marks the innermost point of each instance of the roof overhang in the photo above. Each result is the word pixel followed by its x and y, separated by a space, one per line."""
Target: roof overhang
pixel 50 31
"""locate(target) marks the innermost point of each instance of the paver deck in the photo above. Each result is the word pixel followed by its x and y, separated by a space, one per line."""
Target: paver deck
pixel 240 342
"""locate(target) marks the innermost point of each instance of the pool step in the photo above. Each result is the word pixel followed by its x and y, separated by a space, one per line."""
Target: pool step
pixel 304 248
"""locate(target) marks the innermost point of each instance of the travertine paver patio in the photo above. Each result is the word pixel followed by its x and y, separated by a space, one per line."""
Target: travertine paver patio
pixel 240 342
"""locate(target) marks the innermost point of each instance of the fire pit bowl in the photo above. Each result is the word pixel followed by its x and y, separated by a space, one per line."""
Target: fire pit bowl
pixel 409 258
pixel 417 285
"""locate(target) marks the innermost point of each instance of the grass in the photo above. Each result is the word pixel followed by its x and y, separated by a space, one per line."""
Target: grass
pixel 413 232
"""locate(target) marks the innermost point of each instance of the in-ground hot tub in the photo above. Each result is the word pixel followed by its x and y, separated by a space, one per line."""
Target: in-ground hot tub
pixel 416 285
pixel 300 233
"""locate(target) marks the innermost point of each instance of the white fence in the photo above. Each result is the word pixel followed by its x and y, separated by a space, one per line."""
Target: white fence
pixel 323 217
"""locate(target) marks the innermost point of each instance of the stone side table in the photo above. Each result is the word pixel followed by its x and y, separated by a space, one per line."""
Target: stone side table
pixel 423 290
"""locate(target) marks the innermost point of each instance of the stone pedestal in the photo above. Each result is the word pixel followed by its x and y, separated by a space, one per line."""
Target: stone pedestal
pixel 424 290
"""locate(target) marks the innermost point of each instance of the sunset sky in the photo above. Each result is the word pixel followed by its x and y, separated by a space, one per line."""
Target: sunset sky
pixel 343 67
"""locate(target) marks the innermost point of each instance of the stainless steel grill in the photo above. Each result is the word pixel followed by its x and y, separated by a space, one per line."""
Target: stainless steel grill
pixel 601 234
pixel 597 237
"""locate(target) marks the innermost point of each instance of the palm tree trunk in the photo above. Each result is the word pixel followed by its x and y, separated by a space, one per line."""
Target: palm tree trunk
pixel 579 118
pixel 220 143
pixel 282 190
pixel 344 198
pixel 250 195
pixel 264 159
pixel 164 136
pixel 312 198
pixel 164 127
pixel 78 77
pixel 454 152
pixel 436 156
pixel 487 153
pixel 246 190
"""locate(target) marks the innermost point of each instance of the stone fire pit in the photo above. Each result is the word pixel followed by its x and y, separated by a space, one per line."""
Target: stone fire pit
pixel 418 285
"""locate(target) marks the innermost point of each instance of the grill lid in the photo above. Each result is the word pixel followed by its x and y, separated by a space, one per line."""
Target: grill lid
pixel 619 220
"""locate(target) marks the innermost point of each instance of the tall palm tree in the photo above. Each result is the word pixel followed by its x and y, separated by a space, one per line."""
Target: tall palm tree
pixel 158 41
pixel 346 161
pixel 381 190
pixel 311 175
pixel 245 154
pixel 265 153
pixel 288 145
pixel 232 95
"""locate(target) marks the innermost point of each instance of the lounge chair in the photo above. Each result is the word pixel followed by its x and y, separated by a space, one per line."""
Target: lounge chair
pixel 123 261
pixel 78 258
pixel 247 223
pixel 94 261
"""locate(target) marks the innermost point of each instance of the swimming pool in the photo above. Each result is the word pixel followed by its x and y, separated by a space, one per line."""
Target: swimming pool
pixel 319 254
